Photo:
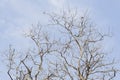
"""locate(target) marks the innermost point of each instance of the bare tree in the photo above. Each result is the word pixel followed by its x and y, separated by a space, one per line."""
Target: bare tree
pixel 74 54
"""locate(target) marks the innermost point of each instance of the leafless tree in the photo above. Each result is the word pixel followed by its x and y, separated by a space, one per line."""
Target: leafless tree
pixel 75 54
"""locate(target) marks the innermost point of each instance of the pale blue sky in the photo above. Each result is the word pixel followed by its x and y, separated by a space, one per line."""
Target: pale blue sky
pixel 16 16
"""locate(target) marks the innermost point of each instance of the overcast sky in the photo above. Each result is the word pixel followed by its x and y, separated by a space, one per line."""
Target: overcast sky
pixel 16 16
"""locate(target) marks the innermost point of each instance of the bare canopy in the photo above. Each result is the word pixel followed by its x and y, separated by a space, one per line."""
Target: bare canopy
pixel 73 53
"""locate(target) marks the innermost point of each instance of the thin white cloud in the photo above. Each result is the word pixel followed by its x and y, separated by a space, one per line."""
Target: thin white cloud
pixel 25 8
pixel 57 3
pixel 21 15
